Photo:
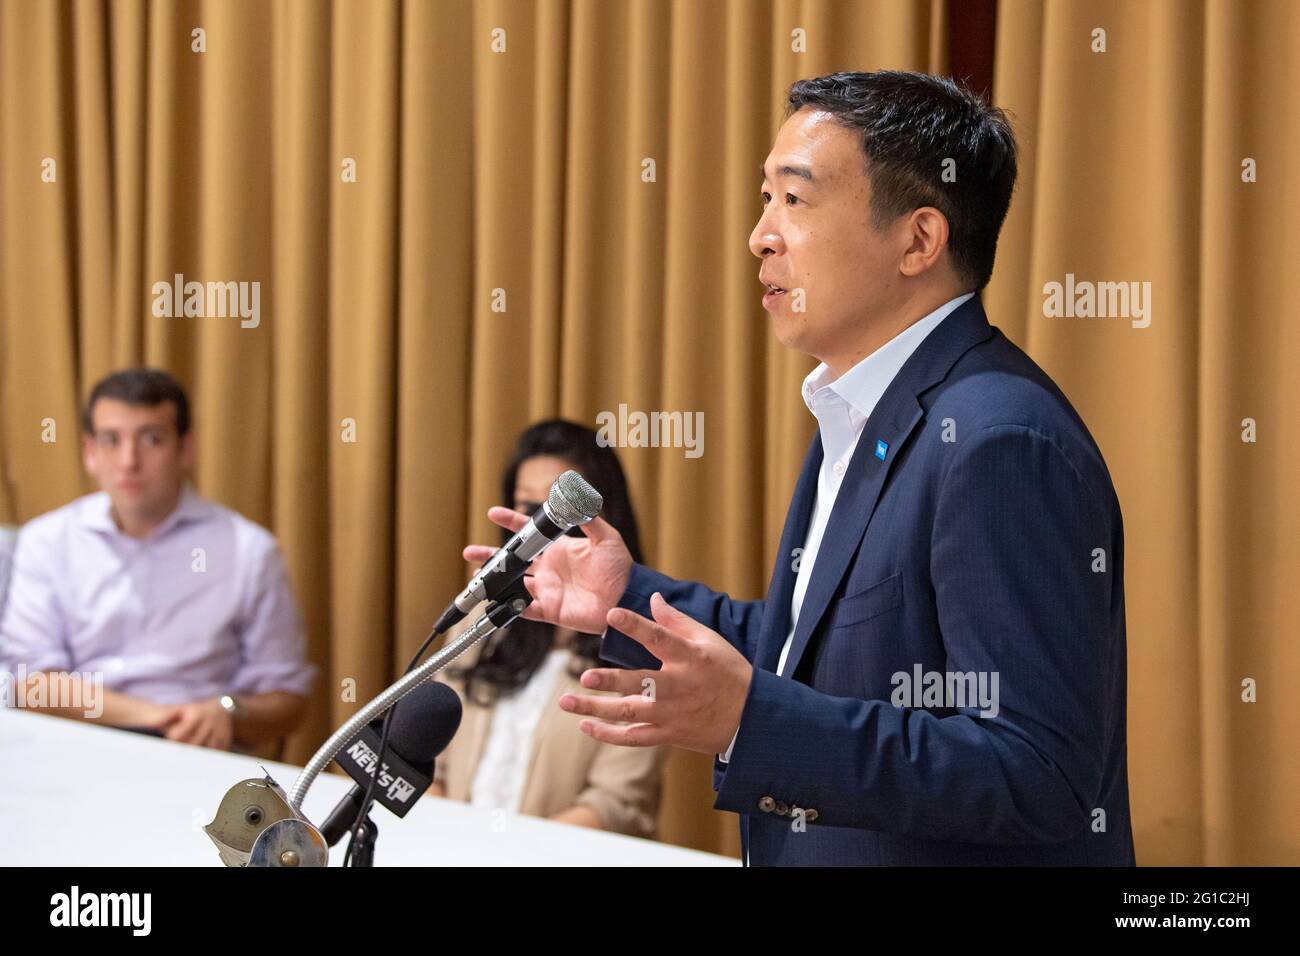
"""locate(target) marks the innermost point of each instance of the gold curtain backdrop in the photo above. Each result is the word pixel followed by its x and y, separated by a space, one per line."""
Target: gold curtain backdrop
pixel 500 257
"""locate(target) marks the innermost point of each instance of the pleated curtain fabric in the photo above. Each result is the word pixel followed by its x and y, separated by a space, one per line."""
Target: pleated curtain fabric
pixel 465 217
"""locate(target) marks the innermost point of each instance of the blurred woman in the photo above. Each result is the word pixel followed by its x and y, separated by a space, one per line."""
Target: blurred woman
pixel 516 750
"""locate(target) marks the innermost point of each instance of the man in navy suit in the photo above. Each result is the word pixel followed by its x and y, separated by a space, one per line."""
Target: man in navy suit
pixel 937 673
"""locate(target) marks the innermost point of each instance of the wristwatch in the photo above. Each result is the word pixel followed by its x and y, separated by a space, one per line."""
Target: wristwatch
pixel 230 706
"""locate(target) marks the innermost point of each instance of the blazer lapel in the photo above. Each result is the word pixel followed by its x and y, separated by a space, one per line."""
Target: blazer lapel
pixel 883 438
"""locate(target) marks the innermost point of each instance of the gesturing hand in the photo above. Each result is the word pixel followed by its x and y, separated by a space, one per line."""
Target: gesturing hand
pixel 575 581
pixel 694 701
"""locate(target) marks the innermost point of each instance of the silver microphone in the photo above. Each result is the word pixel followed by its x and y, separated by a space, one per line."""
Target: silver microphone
pixel 571 502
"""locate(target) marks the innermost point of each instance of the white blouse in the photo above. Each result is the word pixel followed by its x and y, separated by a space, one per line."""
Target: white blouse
pixel 499 782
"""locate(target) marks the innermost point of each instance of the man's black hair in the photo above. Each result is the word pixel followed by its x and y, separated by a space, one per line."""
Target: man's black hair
pixel 141 387
pixel 910 123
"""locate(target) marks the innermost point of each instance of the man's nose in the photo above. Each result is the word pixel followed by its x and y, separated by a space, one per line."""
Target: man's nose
pixel 129 454
pixel 765 240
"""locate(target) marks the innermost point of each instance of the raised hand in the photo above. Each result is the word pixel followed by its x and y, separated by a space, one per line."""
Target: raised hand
pixel 695 701
pixel 575 581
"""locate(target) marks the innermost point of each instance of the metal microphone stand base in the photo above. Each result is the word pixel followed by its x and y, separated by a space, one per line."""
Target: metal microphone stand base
pixel 255 825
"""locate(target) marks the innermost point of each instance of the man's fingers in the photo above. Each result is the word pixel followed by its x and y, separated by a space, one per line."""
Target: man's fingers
pixel 598 530
pixel 653 636
pixel 182 730
pixel 634 735
pixel 508 519
pixel 668 615
pixel 477 553
pixel 534 610
pixel 625 709
pixel 616 679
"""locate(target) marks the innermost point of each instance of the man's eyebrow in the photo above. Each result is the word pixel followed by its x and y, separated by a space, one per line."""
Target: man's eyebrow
pixel 141 430
pixel 803 172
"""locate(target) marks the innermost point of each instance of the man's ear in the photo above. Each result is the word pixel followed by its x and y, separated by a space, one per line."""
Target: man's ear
pixel 187 452
pixel 88 459
pixel 927 238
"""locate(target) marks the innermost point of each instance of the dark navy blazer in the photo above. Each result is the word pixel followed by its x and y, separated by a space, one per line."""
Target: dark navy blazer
pixel 976 530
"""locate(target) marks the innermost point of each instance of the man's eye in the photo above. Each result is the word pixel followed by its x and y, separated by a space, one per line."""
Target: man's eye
pixel 791 198
pixel 765 198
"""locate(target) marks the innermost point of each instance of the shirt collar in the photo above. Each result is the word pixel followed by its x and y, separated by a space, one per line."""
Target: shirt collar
pixel 97 512
pixel 862 386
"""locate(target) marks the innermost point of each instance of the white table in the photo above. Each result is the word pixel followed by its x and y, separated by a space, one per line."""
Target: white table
pixel 76 794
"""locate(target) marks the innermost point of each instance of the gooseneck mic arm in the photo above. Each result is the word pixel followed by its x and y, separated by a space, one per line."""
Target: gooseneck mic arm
pixel 278 834
pixel 498 614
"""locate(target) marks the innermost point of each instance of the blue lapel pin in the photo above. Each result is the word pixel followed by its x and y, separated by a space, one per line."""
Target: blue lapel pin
pixel 882 446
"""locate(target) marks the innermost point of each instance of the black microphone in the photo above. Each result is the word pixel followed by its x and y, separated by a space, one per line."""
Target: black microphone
pixel 424 721
pixel 572 502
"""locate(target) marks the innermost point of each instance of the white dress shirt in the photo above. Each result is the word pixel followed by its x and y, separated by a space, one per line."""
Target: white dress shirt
pixel 842 407
pixel 199 607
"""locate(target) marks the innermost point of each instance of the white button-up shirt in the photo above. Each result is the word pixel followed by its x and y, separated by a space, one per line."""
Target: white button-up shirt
pixel 198 608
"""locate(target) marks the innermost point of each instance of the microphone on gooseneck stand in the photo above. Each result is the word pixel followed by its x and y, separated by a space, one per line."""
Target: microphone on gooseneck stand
pixel 424 723
pixel 259 824
pixel 571 502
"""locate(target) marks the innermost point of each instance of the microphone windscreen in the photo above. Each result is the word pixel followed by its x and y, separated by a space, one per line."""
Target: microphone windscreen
pixel 424 722
pixel 573 499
